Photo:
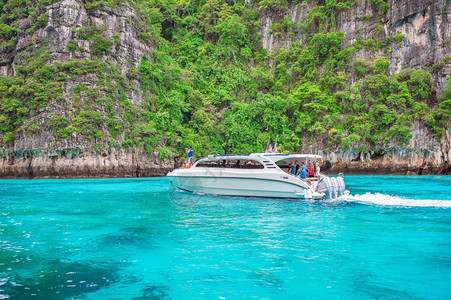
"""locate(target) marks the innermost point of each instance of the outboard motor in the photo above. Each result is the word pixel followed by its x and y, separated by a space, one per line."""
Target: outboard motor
pixel 341 184
pixel 335 187
pixel 339 189
pixel 330 188
pixel 321 186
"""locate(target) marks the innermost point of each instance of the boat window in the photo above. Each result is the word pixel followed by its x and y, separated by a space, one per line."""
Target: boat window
pixel 231 163
pixel 282 164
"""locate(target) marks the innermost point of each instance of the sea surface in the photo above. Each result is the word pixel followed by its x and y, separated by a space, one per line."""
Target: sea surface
pixel 138 239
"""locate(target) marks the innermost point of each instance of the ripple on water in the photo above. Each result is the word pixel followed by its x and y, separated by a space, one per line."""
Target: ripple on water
pixel 152 291
pixel 132 239
pixel 62 279
pixel 139 237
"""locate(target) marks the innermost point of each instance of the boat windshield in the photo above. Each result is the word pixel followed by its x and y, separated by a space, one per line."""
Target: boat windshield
pixel 230 163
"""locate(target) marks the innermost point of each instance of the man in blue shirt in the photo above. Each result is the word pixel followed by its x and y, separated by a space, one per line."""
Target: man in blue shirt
pixel 303 170
pixel 190 152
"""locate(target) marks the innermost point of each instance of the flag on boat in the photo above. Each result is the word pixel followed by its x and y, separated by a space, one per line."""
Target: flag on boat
pixel 270 149
pixel 275 148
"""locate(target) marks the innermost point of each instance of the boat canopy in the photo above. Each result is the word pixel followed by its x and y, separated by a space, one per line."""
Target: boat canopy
pixel 288 158
pixel 274 157
pixel 220 157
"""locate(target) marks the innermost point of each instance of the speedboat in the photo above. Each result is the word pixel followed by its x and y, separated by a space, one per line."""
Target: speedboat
pixel 254 175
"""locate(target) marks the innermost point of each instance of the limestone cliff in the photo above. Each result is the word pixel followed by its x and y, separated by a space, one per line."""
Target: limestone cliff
pixel 79 164
pixel 62 38
pixel 426 30
pixel 425 25
pixel 46 153
pixel 423 156
pixel 78 107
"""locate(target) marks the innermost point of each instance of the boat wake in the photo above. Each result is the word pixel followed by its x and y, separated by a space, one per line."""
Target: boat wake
pixel 388 200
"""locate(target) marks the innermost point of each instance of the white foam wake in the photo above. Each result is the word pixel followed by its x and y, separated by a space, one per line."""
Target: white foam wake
pixel 383 199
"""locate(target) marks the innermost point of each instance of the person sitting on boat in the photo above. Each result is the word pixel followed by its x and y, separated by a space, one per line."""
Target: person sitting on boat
pixel 190 152
pixel 303 173
pixel 310 171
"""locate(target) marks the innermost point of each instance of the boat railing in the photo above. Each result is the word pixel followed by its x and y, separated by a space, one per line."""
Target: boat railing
pixel 227 155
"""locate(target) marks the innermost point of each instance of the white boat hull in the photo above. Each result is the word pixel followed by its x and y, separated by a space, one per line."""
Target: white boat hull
pixel 241 186
pixel 251 175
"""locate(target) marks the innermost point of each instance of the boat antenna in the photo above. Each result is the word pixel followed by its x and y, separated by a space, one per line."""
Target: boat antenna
pixel 267 144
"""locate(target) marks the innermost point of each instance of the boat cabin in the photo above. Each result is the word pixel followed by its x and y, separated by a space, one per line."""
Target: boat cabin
pixel 254 160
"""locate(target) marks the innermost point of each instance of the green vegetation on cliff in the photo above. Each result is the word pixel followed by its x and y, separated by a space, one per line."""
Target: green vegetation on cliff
pixel 209 82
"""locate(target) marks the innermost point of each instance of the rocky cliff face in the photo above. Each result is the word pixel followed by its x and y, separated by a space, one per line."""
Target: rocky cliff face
pixel 424 24
pixel 71 164
pixel 63 38
pixel 423 156
pixel 64 19
pixel 426 41
pixel 71 40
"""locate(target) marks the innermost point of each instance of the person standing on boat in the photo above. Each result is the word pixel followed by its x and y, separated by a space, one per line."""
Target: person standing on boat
pixel 310 170
pixel 190 152
pixel 317 170
pixel 303 170
pixel 293 168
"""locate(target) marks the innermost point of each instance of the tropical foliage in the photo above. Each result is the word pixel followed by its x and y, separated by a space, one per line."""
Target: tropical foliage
pixel 210 83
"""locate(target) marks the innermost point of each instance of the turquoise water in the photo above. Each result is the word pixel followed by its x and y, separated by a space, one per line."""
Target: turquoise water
pixel 137 239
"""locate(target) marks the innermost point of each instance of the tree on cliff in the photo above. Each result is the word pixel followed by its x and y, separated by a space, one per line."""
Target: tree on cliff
pixel 215 74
